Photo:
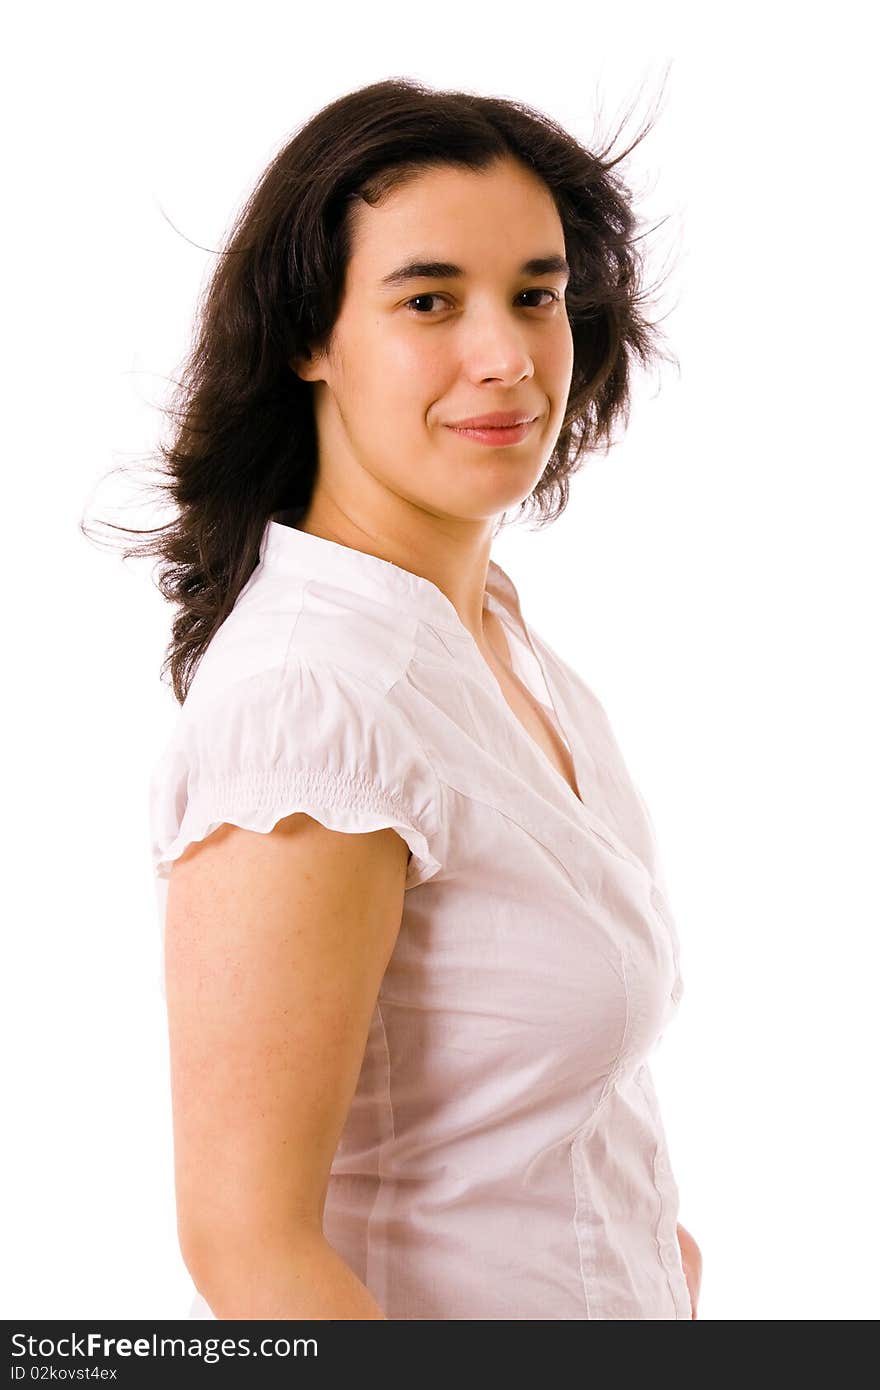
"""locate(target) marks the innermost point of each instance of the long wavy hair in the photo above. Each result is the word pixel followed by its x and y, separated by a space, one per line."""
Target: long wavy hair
pixel 243 442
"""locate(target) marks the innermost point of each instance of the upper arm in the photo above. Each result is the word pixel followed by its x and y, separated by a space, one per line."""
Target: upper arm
pixel 275 948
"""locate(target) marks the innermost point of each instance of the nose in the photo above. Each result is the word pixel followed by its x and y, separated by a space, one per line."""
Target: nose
pixel 495 347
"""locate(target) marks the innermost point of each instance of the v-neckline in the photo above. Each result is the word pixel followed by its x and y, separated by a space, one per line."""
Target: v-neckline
pixel 510 714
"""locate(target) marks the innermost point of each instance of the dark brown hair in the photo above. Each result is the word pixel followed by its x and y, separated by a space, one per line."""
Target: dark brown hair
pixel 243 442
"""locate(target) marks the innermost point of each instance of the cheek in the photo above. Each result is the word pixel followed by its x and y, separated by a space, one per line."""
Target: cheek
pixel 410 375
pixel 560 352
pixel 557 366
pixel 415 357
pixel 371 389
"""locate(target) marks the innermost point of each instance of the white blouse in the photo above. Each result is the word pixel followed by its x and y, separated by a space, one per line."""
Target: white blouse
pixel 504 1155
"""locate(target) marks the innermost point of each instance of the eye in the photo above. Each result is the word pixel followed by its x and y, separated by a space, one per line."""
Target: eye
pixel 555 298
pixel 420 298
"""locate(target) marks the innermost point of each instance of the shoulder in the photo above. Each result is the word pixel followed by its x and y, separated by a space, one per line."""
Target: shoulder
pixel 305 674
pixel 313 733
pixel 279 624
pixel 310 710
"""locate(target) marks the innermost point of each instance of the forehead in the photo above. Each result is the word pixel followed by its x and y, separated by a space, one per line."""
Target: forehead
pixel 496 217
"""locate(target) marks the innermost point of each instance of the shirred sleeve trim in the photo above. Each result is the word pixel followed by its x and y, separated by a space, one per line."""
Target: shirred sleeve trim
pixel 258 800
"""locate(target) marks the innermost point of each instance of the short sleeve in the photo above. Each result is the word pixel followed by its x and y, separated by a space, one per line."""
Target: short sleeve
pixel 303 737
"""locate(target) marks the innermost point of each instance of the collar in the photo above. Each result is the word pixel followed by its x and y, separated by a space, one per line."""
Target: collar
pixel 298 553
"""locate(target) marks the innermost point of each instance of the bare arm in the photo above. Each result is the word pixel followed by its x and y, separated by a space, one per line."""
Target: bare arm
pixel 275 948
pixel 692 1263
pixel 299 1277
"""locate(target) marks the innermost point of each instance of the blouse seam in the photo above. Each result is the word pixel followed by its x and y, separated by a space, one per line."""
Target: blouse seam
pixel 381 1172
pixel 275 668
pixel 626 1025
pixel 616 1066
pixel 661 1255
pixel 293 627
pixel 439 819
pixel 590 1122
pixel 577 1228
pixel 481 801
pixel 627 857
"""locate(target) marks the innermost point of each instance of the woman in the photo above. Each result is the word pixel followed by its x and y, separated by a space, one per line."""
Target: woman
pixel 416 944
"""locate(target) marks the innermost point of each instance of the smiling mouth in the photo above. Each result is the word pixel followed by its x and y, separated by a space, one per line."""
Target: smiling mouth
pixel 494 434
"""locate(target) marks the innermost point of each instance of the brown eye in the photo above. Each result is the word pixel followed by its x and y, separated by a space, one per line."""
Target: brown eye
pixel 555 297
pixel 418 297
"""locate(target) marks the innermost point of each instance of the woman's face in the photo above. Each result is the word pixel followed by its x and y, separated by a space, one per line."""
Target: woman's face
pixel 410 355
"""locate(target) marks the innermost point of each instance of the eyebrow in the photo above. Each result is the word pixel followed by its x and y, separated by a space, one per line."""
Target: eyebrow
pixel 445 270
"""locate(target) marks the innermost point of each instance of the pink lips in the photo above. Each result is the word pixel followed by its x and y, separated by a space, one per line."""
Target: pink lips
pixel 493 429
pixel 495 420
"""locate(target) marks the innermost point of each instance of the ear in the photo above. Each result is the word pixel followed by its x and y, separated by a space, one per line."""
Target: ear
pixel 306 364
pixel 299 363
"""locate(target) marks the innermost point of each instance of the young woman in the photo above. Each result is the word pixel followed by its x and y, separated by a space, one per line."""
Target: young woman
pixel 417 948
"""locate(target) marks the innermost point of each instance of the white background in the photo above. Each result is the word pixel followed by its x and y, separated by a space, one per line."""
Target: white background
pixel 714 580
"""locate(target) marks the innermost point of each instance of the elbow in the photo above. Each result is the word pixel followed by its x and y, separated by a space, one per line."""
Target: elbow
pixel 212 1258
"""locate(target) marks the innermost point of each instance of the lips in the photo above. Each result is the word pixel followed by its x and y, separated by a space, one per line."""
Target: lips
pixel 495 436
pixel 498 420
